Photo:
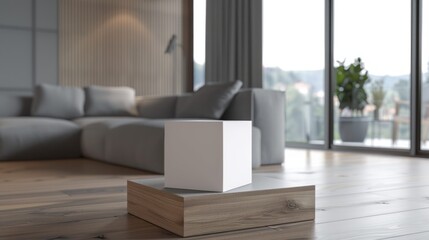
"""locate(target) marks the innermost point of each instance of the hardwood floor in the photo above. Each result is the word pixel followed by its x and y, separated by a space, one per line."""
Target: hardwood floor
pixel 358 196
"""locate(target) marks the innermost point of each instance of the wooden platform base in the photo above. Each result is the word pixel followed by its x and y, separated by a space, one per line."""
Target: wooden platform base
pixel 265 202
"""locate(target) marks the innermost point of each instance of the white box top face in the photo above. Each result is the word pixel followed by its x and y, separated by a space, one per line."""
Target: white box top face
pixel 206 121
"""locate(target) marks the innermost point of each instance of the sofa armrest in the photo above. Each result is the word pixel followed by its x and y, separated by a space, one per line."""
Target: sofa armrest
pixel 156 107
pixel 266 109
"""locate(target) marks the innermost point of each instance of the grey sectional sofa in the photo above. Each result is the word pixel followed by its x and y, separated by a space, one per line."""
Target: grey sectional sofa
pixel 133 141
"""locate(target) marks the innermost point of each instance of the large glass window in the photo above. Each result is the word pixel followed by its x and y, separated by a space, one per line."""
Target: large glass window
pixel 425 76
pixel 293 59
pixel 371 61
pixel 372 106
pixel 199 42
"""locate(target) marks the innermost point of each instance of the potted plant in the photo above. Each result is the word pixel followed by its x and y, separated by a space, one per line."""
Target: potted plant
pixel 352 96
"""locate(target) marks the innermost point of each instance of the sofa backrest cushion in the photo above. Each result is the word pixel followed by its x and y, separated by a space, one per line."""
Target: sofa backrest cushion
pixel 210 101
pixel 14 106
pixel 157 107
pixel 58 102
pixel 110 101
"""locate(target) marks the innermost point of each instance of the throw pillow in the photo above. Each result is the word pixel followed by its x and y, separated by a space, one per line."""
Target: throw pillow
pixel 210 101
pixel 58 102
pixel 110 101
pixel 157 107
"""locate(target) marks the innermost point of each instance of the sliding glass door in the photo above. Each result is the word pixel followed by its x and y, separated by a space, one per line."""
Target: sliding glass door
pixel 293 61
pixel 199 16
pixel 372 61
pixel 425 76
pixel 350 70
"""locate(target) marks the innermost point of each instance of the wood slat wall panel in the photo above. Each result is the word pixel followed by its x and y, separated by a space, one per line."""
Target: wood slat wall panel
pixel 121 43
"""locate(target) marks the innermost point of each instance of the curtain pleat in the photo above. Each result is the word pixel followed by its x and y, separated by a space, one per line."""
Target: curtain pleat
pixel 234 41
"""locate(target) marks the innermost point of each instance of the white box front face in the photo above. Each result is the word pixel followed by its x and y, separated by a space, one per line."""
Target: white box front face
pixel 208 155
pixel 193 155
pixel 237 154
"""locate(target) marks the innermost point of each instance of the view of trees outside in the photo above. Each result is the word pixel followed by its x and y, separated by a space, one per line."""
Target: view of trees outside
pixel 380 36
pixel 293 59
pixel 425 75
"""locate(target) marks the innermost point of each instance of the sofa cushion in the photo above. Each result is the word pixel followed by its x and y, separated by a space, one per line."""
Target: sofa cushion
pixel 139 145
pixel 94 131
pixel 58 102
pixel 13 106
pixel 38 138
pixel 90 120
pixel 109 101
pixel 210 101
pixel 157 107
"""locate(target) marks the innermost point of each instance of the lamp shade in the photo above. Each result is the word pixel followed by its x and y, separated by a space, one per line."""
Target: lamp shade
pixel 172 43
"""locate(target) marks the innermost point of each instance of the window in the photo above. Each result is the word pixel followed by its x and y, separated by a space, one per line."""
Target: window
pixel 199 42
pixel 374 34
pixel 380 37
pixel 425 76
pixel 293 59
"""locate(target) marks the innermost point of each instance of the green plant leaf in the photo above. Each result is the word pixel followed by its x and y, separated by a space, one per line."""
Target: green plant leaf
pixel 350 85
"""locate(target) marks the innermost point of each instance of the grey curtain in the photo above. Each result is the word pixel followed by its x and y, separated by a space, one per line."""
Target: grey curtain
pixel 234 41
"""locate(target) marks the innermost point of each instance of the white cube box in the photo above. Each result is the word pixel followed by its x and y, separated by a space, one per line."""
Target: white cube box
pixel 208 155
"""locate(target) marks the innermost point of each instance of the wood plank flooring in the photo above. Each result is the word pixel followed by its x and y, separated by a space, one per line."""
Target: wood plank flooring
pixel 358 196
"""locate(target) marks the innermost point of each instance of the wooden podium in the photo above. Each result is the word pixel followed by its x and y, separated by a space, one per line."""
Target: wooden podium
pixel 265 202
